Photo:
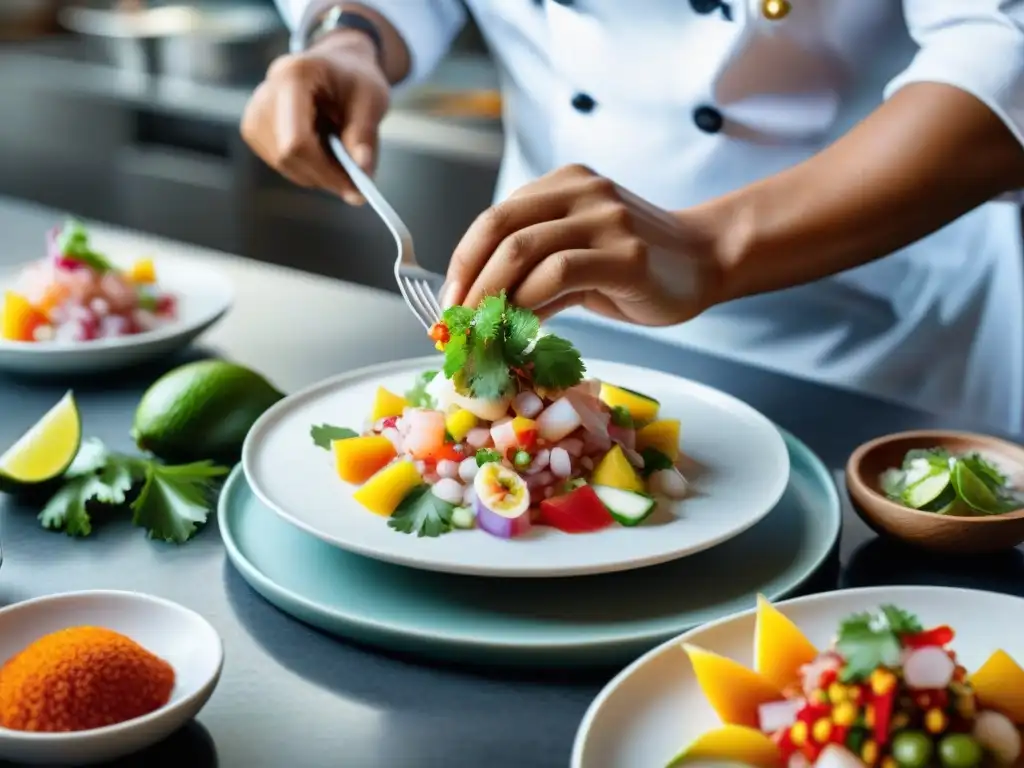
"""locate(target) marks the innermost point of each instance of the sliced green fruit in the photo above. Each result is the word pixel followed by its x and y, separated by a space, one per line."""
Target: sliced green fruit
pixel 627 507
pixel 975 492
pixel 45 451
pixel 201 411
pixel 928 490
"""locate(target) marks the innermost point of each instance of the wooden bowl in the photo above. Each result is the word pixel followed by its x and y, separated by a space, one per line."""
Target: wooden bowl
pixel 927 530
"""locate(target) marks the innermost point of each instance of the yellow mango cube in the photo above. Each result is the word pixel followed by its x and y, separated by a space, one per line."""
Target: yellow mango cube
pixel 383 492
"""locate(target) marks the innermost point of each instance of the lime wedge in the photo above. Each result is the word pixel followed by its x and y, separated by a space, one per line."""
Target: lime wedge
pixel 974 491
pixel 928 490
pixel 46 450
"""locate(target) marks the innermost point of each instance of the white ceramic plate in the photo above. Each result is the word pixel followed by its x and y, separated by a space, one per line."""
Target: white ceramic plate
pixel 654 707
pixel 204 295
pixel 744 456
pixel 181 637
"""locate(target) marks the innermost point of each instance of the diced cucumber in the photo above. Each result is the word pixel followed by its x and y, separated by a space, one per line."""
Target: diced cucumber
pixel 463 517
pixel 627 507
pixel 927 490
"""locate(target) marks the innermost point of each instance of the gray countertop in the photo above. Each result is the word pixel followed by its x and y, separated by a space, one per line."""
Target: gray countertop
pixel 291 696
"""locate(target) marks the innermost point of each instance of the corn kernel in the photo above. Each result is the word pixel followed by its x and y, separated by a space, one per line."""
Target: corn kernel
pixel 882 681
pixel 798 734
pixel 822 730
pixel 854 693
pixel 935 721
pixel 869 752
pixel 889 762
pixel 439 346
pixel 869 716
pixel 844 713
pixel 837 693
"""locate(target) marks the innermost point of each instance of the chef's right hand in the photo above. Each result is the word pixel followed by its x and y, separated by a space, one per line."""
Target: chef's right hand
pixel 337 82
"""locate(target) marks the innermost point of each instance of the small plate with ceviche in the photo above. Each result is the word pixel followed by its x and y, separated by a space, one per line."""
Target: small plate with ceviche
pixel 883 677
pixel 89 677
pixel 78 310
pixel 511 456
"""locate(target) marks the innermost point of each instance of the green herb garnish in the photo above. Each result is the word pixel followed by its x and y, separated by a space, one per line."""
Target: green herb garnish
pixel 496 346
pixel 621 417
pixel 487 456
pixel 417 397
pixel 423 514
pixel 324 434
pixel 937 481
pixel 867 641
pixel 73 243
pixel 654 460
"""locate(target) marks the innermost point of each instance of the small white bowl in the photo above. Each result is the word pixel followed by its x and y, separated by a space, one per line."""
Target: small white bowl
pixel 181 637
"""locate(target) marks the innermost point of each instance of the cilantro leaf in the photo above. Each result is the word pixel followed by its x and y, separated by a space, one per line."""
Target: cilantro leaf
pixel 521 327
pixel 73 243
pixel 174 501
pixel 456 355
pixel 489 317
pixel 418 397
pixel 487 456
pixel 556 363
pixel 68 508
pixel 92 455
pixel 490 377
pixel 324 434
pixel 422 513
pixel 654 460
pixel 867 641
pixel 457 319
pixel 900 621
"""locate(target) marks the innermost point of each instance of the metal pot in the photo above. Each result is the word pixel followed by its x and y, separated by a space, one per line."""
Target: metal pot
pixel 232 45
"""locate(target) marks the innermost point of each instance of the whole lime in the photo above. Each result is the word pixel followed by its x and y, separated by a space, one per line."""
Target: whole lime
pixel 201 411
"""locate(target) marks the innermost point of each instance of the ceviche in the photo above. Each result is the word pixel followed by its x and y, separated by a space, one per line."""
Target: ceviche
pixel 509 434
pixel 77 294
pixel 887 692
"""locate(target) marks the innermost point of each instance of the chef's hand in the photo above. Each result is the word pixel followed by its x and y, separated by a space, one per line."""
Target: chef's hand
pixel 575 238
pixel 337 82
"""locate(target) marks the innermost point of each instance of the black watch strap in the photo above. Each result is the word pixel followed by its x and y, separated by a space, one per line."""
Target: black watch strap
pixel 337 19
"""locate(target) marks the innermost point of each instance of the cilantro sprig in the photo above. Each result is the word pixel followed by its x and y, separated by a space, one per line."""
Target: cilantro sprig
pixel 171 501
pixel 423 514
pixel 73 243
pixel 496 348
pixel 867 641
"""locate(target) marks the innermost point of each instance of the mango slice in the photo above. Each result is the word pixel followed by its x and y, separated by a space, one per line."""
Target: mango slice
pixel 780 648
pixel 662 435
pixel 383 492
pixel 734 744
pixel 642 408
pixel 143 271
pixel 615 471
pixel 20 319
pixel 732 690
pixel 999 685
pixel 459 423
pixel 387 404
pixel 357 459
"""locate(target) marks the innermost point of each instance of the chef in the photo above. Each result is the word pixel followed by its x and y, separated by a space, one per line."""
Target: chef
pixel 826 187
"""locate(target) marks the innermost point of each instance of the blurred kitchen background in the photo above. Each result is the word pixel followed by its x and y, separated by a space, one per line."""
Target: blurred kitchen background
pixel 136 125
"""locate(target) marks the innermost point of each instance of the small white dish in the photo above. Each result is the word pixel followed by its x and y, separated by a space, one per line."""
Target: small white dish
pixel 654 707
pixel 204 296
pixel 744 459
pixel 176 634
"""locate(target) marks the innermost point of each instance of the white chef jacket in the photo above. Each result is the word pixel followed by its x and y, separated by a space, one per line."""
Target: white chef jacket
pixel 684 100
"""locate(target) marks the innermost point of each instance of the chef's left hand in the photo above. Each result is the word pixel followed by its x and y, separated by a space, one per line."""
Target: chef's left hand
pixel 575 238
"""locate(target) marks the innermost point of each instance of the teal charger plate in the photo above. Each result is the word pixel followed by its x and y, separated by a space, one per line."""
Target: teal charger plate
pixel 565 622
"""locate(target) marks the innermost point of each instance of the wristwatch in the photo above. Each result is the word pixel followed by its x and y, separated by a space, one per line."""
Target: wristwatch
pixel 336 18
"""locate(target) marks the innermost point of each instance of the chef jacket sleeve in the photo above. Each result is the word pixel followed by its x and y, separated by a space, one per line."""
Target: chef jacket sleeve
pixel 974 45
pixel 427 26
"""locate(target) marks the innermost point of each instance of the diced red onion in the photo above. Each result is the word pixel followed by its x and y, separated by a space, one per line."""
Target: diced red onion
pixel 549 492
pixel 778 714
pixel 558 420
pixel 668 483
pixel 624 436
pixel 448 490
pixel 448 468
pixel 573 446
pixel 561 463
pixel 540 462
pixel 112 326
pixel 540 479
pixel 928 668
pixel 100 306
pixel 596 444
pixel 527 404
pixel 478 437
pixel 467 470
pixel 634 458
pixel 587 463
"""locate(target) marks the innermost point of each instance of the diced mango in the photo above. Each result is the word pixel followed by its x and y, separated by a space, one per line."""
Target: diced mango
pixel 142 271
pixel 642 409
pixel 383 492
pixel 999 685
pixel 780 648
pixel 357 459
pixel 387 404
pixel 662 435
pixel 20 319
pixel 731 744
pixel 732 690
pixel 615 471
pixel 459 423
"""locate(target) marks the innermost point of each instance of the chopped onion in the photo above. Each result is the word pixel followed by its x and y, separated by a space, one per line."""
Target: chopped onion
pixel 561 463
pixel 527 404
pixel 540 479
pixel 573 446
pixel 431 477
pixel 624 436
pixel 594 444
pixel 928 668
pixel 448 490
pixel 448 468
pixel 558 420
pixel 834 756
pixel 778 714
pixel 478 437
pixel 467 470
pixel 634 458
pixel 469 495
pixel 540 462
pixel 591 411
pixel 396 439
pixel 503 435
pixel 668 483
pixel 997 734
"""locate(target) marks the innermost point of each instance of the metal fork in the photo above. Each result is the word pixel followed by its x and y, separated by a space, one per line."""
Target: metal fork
pixel 415 282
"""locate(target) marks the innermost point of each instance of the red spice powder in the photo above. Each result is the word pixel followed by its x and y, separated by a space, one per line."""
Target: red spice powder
pixel 81 678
